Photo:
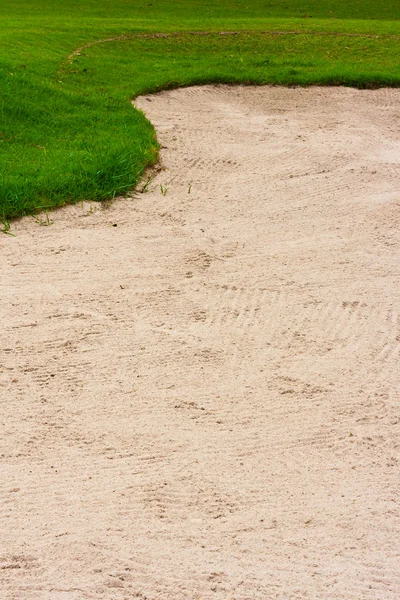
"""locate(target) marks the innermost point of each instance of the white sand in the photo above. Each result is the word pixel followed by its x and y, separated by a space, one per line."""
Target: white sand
pixel 203 402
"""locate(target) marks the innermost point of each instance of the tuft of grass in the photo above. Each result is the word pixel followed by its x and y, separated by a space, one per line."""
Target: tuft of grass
pixel 163 189
pixel 6 226
pixel 68 72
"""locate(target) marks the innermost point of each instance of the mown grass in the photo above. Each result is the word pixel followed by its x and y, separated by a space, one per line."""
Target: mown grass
pixel 67 128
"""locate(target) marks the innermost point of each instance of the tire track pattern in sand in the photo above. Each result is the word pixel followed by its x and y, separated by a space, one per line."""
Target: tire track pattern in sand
pixel 203 401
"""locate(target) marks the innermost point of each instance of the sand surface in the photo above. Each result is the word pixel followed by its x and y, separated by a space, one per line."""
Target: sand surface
pixel 200 384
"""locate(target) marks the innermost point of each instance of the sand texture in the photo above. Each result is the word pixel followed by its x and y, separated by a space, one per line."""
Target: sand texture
pixel 202 402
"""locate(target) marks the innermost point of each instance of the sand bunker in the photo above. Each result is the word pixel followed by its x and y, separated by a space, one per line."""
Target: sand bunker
pixel 200 385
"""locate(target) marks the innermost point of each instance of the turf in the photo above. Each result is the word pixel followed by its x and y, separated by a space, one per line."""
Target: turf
pixel 67 128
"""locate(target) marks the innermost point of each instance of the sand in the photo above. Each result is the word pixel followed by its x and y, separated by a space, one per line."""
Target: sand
pixel 200 384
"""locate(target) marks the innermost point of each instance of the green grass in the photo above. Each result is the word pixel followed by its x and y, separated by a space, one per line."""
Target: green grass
pixel 67 129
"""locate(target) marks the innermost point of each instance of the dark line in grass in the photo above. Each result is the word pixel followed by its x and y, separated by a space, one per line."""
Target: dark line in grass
pixel 121 38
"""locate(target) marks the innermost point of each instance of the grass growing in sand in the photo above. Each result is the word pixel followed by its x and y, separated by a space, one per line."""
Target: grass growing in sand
pixel 67 129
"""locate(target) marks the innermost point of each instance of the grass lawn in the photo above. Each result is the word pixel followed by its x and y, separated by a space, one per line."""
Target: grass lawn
pixel 67 129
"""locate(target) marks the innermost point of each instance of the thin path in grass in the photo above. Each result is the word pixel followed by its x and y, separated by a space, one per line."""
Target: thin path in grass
pixel 200 382
pixel 121 38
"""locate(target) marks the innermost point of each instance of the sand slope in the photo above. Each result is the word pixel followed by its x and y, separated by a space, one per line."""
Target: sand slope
pixel 203 401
